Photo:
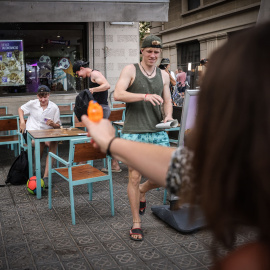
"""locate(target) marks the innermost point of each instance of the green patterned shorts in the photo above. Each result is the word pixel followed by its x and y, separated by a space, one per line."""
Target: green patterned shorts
pixel 160 138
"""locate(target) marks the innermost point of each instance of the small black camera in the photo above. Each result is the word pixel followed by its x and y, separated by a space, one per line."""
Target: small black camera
pixel 162 66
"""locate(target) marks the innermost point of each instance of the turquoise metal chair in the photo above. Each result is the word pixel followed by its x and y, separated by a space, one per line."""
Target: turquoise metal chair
pixel 23 143
pixel 80 150
pixel 72 105
pixel 117 114
pixel 62 108
pixel 76 123
pixel 3 110
pixel 12 139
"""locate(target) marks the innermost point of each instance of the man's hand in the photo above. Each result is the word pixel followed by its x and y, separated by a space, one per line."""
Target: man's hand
pixel 167 118
pixel 154 99
pixel 50 122
pixel 22 127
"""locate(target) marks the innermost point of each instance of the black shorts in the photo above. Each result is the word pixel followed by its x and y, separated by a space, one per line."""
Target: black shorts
pixel 181 89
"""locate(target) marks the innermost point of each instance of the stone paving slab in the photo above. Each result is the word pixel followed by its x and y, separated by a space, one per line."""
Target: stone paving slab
pixel 35 237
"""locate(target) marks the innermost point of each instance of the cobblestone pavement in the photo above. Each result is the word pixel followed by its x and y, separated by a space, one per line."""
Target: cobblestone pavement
pixel 34 237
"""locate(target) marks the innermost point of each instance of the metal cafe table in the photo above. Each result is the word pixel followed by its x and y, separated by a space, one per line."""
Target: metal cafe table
pixel 63 134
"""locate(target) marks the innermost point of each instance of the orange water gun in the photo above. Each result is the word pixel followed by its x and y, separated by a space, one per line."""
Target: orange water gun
pixel 94 111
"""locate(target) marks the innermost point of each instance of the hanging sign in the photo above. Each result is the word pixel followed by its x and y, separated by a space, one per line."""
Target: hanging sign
pixel 60 42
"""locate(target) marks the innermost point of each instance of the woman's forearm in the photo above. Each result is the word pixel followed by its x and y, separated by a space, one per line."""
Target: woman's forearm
pixel 152 161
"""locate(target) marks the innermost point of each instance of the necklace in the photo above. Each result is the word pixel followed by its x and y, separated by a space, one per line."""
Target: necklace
pixel 146 72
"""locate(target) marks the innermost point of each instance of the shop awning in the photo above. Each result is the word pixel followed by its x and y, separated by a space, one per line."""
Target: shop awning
pixel 84 10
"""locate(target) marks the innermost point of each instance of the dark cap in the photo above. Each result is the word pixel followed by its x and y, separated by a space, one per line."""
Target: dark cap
pixel 152 42
pixel 43 89
pixel 165 61
pixel 78 64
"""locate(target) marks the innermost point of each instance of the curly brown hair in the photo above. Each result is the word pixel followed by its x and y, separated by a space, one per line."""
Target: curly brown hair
pixel 231 138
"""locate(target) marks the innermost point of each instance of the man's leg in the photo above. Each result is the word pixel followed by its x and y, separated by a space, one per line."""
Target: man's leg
pixel 52 148
pixel 159 138
pixel 115 165
pixel 41 147
pixel 146 186
pixel 134 198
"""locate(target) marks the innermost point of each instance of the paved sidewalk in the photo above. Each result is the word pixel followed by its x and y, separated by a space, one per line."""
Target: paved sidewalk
pixel 34 237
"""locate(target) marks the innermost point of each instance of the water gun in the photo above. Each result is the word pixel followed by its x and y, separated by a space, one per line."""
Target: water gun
pixel 94 111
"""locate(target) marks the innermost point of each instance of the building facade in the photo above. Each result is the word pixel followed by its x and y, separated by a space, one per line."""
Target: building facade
pixel 195 28
pixel 41 39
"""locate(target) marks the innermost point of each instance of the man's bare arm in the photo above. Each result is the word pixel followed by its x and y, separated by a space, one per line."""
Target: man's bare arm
pixel 150 160
pixel 98 78
pixel 22 121
pixel 168 109
pixel 126 78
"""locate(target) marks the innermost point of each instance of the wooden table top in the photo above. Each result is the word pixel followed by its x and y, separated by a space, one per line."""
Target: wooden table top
pixel 54 133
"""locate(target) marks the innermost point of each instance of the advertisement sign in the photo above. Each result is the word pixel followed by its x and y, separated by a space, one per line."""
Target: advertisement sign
pixel 11 63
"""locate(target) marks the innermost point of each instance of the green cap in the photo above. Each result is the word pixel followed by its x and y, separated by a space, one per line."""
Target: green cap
pixel 152 42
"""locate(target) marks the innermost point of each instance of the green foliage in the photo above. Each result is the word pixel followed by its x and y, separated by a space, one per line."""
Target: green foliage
pixel 144 29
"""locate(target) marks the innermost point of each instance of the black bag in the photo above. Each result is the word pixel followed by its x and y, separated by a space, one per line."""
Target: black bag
pixel 18 173
pixel 82 102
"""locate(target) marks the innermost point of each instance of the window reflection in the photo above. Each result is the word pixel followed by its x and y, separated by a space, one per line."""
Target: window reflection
pixel 50 50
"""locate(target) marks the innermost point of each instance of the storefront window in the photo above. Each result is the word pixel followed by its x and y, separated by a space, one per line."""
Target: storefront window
pixel 50 50
pixel 192 4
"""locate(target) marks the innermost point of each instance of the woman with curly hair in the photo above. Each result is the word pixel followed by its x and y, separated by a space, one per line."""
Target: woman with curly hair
pixel 225 163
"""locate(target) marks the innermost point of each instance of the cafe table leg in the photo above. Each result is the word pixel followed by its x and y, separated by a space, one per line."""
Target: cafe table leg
pixel 30 157
pixel 38 169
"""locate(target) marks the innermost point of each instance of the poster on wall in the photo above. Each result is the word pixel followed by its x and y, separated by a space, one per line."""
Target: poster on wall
pixel 11 63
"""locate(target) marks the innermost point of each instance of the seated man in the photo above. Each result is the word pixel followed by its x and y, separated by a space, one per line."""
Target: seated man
pixel 42 114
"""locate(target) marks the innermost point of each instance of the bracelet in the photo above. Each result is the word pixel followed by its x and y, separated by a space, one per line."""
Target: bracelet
pixel 108 152
pixel 145 97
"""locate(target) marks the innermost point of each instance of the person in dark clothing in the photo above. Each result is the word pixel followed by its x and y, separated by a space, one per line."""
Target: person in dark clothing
pixel 232 188
pixel 165 65
pixel 98 86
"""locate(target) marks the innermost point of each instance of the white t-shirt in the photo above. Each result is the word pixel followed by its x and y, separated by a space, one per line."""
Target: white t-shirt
pixel 36 114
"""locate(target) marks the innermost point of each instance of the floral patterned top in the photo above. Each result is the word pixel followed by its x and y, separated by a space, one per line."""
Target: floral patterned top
pixel 180 170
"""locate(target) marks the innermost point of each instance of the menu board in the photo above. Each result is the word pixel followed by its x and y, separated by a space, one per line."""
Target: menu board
pixel 11 63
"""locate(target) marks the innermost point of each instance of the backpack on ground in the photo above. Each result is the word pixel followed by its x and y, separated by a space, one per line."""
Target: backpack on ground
pixel 82 102
pixel 19 172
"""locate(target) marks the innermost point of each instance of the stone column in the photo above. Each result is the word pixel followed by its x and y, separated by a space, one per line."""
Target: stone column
pixel 209 44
